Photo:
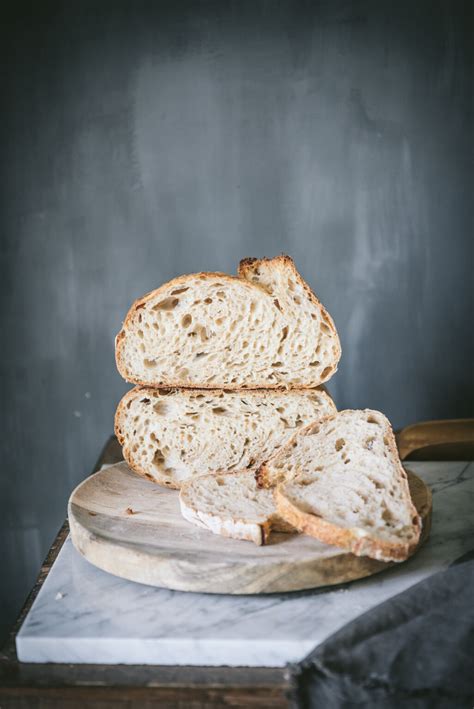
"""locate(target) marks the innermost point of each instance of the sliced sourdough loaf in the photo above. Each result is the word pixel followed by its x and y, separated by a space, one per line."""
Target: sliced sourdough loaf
pixel 341 481
pixel 232 505
pixel 262 329
pixel 169 436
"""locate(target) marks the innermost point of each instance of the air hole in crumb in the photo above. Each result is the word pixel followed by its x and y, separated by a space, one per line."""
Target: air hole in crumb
pixel 313 430
pixel 220 481
pixel 277 364
pixel 325 372
pixel 140 334
pixel 220 294
pixel 253 305
pixel 325 328
pixel 348 460
pixel 158 458
pixel 386 441
pixel 144 401
pixel 208 300
pixel 219 410
pixel 149 363
pixel 198 355
pixel 187 320
pixel 316 363
pixel 202 332
pixel 161 409
pixel 277 304
pixel 340 443
pixel 179 290
pixel 387 516
pixel 297 299
pixel 166 304
pixel 372 419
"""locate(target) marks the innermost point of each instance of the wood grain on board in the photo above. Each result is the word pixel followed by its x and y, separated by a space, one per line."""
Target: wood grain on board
pixel 134 529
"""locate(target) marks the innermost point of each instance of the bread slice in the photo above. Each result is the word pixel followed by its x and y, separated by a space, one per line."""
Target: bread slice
pixel 169 436
pixel 262 329
pixel 231 505
pixel 340 480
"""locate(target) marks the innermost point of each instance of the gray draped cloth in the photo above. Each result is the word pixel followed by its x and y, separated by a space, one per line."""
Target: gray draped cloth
pixel 416 650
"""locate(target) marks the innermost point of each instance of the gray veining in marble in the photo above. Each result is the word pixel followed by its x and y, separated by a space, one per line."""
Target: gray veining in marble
pixel 85 615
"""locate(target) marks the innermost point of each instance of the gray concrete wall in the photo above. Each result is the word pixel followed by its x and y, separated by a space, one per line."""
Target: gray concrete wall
pixel 144 140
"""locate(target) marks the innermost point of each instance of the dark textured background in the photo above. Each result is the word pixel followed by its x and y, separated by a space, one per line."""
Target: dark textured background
pixel 143 140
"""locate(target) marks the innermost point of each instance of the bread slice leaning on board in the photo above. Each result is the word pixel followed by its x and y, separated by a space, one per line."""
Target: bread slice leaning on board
pixel 232 505
pixel 340 480
pixel 262 329
pixel 171 435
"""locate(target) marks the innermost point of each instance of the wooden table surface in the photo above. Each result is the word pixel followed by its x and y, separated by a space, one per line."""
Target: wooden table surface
pixel 67 686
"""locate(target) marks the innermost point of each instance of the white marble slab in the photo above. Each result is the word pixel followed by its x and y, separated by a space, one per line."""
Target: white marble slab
pixel 84 615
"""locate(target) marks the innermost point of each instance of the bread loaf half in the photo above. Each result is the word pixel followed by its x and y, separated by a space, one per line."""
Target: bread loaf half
pixel 262 329
pixel 169 436
pixel 340 480
pixel 232 505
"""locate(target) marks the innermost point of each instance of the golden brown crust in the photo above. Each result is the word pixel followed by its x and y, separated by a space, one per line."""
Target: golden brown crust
pixel 249 261
pixel 338 536
pixel 245 266
pixel 154 391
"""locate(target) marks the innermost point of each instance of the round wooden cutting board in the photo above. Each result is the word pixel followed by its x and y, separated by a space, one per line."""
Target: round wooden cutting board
pixel 133 528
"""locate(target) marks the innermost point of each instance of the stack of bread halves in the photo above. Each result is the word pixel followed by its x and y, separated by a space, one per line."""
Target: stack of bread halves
pixel 228 408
